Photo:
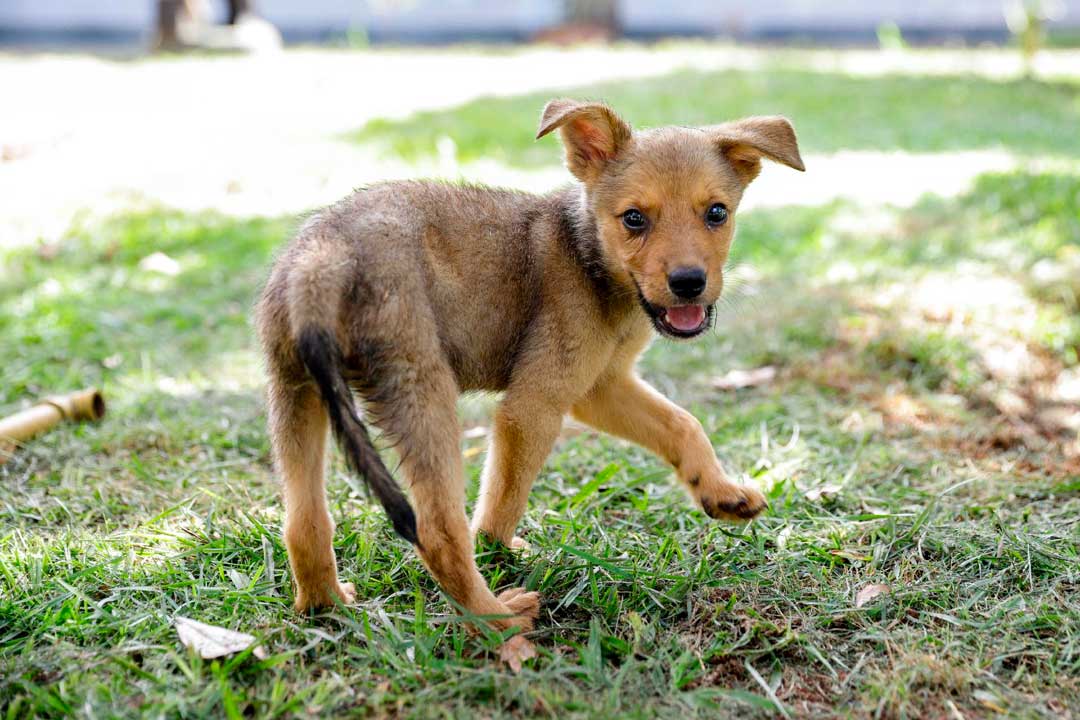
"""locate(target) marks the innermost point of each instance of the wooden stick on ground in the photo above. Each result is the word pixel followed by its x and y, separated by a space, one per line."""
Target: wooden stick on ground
pixel 75 407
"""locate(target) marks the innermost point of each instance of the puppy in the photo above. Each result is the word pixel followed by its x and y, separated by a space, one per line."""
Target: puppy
pixel 411 293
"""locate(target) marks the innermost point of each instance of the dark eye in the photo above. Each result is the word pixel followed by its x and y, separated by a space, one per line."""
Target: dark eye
pixel 633 219
pixel 716 214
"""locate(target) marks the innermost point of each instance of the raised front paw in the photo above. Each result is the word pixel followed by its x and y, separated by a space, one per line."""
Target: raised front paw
pixel 735 503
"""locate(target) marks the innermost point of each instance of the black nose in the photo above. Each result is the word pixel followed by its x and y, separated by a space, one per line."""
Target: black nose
pixel 687 282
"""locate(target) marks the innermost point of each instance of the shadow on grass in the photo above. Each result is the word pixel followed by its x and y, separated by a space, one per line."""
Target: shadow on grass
pixel 832 112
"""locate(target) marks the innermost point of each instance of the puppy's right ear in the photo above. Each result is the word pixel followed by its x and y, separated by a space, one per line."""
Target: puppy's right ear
pixel 591 132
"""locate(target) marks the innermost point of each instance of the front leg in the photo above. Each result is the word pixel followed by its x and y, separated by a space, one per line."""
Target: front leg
pixel 525 429
pixel 630 408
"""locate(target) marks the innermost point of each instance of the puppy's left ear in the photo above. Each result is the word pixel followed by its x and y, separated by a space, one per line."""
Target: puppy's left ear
pixel 745 142
pixel 591 132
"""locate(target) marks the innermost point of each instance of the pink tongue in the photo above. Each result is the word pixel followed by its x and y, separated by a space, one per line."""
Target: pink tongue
pixel 686 317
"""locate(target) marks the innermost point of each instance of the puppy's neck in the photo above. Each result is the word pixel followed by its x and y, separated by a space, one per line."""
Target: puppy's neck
pixel 577 233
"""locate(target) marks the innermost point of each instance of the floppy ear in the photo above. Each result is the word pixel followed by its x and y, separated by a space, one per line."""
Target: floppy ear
pixel 591 132
pixel 745 142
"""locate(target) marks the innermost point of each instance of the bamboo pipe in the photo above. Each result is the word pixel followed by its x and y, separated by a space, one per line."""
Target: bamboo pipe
pixel 75 407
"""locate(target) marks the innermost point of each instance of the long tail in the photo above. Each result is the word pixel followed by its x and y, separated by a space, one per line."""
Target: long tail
pixel 321 354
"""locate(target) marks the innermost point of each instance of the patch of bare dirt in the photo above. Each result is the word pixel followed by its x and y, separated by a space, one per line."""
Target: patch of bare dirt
pixel 808 693
pixel 1025 398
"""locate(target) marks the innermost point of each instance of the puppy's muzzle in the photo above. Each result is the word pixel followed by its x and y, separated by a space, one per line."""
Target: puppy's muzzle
pixel 687 282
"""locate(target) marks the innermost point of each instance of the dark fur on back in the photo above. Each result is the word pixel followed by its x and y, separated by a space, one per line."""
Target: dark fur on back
pixel 322 357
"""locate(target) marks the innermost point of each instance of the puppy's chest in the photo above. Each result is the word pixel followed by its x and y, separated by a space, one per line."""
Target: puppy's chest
pixel 576 360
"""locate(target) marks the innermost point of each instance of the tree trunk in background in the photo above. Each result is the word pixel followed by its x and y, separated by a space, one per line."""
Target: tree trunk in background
pixel 168 20
pixel 601 13
pixel 240 7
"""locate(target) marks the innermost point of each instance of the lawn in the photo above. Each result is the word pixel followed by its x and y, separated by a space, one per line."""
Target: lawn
pixel 920 433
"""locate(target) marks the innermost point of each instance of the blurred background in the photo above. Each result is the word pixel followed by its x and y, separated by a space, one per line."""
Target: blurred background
pixel 131 22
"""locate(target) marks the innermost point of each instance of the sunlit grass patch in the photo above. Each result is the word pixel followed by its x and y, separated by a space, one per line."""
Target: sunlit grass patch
pixel 98 306
pixel 831 112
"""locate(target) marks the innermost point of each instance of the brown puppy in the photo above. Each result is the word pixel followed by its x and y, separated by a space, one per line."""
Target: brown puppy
pixel 409 293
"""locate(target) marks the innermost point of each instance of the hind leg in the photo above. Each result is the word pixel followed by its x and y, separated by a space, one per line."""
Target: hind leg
pixel 424 417
pixel 298 429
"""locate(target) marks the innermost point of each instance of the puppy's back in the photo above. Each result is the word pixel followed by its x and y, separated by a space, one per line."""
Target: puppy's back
pixel 463 259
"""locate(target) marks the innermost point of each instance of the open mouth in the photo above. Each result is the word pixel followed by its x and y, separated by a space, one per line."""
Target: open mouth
pixel 683 321
pixel 679 321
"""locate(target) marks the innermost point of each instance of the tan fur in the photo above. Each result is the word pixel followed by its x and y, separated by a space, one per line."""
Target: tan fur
pixel 433 289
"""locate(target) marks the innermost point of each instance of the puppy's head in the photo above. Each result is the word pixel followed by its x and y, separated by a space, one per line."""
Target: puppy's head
pixel 664 200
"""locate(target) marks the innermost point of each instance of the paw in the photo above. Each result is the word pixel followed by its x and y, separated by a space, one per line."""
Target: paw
pixel 344 593
pixel 524 604
pixel 347 593
pixel 735 503
pixel 489 544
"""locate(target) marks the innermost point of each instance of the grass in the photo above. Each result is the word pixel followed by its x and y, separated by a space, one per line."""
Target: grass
pixel 880 443
pixel 832 112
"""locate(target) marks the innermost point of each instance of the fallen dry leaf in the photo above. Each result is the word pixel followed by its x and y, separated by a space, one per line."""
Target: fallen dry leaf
pixel 737 379
pixel 515 651
pixel 212 642
pixel 870 592
pixel 820 491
